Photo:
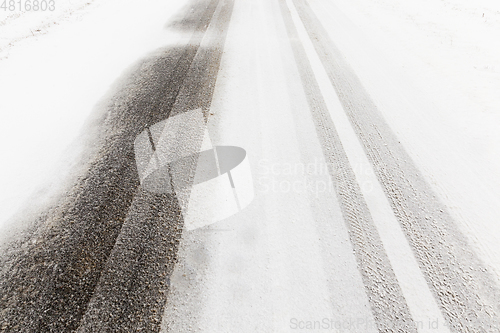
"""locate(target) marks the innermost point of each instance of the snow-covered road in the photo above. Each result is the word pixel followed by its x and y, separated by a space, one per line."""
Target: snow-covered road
pixel 320 246
pixel 372 211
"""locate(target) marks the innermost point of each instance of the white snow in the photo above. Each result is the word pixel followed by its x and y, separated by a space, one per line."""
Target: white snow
pixel 18 24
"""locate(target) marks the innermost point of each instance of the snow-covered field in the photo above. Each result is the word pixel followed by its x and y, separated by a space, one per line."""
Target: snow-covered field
pixel 22 20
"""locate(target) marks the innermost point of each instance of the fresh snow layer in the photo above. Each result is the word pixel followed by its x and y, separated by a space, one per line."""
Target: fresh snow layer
pixel 19 25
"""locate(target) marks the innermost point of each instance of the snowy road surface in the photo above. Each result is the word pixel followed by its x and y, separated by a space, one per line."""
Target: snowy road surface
pixel 353 211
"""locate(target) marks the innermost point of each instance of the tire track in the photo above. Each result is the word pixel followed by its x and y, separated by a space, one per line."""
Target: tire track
pixel 466 292
pixel 386 298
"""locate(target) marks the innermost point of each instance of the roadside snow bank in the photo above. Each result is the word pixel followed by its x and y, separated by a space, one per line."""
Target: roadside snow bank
pixel 21 20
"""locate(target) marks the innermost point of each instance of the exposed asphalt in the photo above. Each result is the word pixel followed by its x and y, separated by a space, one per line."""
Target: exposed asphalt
pixel 100 259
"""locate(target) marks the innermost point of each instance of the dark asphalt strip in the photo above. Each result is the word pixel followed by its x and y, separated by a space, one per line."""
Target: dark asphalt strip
pixel 47 282
pixel 133 288
pixel 466 292
pixel 387 302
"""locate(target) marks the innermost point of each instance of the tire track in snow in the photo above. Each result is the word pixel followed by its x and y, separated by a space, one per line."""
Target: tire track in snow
pixel 388 304
pixel 467 294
